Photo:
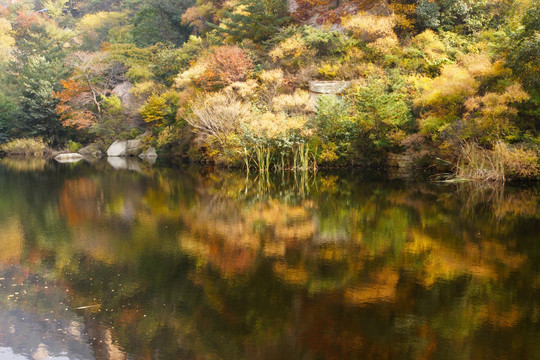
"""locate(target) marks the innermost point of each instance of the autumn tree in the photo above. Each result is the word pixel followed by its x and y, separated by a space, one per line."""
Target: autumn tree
pixel 225 65
pixel 81 101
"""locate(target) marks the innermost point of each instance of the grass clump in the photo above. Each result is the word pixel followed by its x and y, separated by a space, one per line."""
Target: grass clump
pixel 25 147
pixel 500 164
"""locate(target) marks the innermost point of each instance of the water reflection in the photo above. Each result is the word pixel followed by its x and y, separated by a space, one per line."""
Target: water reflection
pixel 161 263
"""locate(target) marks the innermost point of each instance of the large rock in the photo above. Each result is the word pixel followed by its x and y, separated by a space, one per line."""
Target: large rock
pixel 123 91
pixel 400 165
pixel 69 158
pixel 118 148
pixel 328 87
pixel 150 153
pixel 92 150
pixel 125 148
pixel 318 88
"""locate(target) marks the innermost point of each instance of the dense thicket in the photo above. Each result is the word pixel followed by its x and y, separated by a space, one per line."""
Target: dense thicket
pixel 227 82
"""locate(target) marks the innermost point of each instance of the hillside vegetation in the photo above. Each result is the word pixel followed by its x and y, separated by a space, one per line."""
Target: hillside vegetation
pixel 430 83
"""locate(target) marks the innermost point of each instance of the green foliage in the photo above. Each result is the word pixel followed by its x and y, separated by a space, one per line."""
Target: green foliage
pixel 336 133
pixel 166 65
pixel 73 146
pixel 95 29
pixel 427 14
pixel 257 20
pixel 159 21
pixel 525 49
pixel 7 112
pixel 37 103
pixel 381 109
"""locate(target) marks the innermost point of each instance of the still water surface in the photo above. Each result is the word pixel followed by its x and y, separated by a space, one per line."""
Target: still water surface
pixel 162 263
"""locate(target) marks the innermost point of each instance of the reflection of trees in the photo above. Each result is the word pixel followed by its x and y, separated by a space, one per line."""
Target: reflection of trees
pixel 224 266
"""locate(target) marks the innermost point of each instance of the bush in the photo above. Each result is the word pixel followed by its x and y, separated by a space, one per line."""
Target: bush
pixel 73 146
pixel 427 15
pixel 215 116
pixel 224 66
pixel 26 147
pixel 500 164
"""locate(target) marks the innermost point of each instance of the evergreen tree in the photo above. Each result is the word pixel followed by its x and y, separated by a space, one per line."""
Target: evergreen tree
pixel 257 20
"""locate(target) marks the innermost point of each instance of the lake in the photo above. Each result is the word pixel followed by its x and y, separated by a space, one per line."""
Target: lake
pixel 158 262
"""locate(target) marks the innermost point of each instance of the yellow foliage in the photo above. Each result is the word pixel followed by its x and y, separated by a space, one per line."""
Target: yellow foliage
pixel 271 76
pixel 103 26
pixel 6 41
pixel 246 90
pixel 189 76
pixel 297 103
pixel 479 65
pixel 27 147
pixel 293 47
pixel 144 89
pixel 328 71
pixel 154 110
pixel 93 22
pixel 385 45
pixel 369 27
pixel 430 44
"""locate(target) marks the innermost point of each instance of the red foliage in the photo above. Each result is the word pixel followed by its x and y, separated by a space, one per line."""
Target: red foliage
pixel 72 102
pixel 226 65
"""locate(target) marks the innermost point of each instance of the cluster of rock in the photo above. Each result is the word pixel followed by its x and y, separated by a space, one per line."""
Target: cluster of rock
pixel 119 149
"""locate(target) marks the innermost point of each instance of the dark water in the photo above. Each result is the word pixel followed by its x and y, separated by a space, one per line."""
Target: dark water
pixel 157 263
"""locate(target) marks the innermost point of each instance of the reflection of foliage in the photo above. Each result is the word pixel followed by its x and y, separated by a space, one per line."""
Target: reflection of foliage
pixel 198 265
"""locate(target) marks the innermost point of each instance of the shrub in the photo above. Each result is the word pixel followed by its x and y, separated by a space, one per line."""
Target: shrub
pixel 427 14
pixel 216 116
pixel 73 146
pixel 370 27
pixel 298 103
pixel 500 164
pixel 226 65
pixel 154 110
pixel 381 109
pixel 26 147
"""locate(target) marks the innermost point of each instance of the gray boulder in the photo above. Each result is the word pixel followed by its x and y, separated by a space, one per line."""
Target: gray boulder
pixel 125 148
pixel 118 148
pixel 149 153
pixel 69 158
pixel 92 150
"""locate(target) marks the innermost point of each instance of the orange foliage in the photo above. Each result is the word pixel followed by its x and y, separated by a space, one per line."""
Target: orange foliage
pixel 226 65
pixel 26 20
pixel 71 107
pixel 329 11
pixel 4 12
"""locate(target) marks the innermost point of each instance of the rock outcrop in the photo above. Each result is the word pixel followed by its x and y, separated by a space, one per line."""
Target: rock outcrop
pixel 92 150
pixel 317 88
pixel 121 148
pixel 149 154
